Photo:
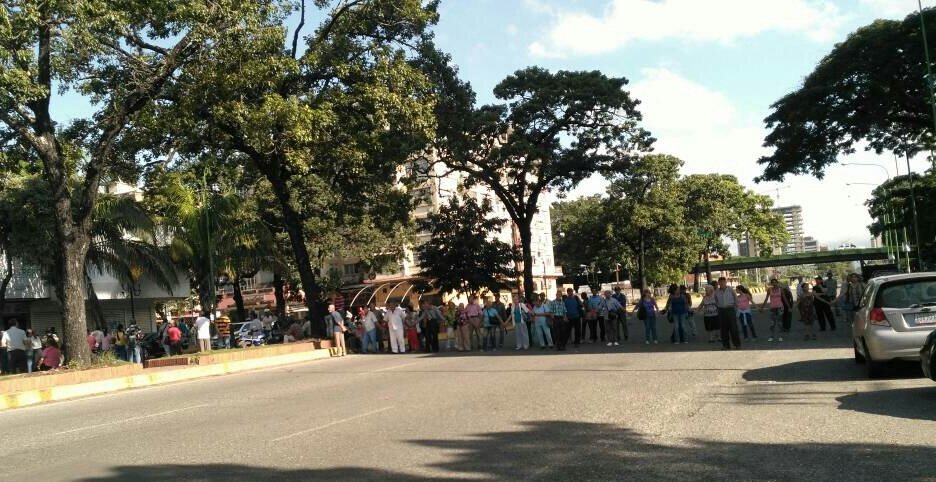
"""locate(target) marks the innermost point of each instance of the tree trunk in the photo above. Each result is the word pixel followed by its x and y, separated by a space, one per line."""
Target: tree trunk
pixel 279 294
pixel 641 261
pixel 239 300
pixel 310 286
pixel 526 239
pixel 708 267
pixel 7 277
pixel 73 251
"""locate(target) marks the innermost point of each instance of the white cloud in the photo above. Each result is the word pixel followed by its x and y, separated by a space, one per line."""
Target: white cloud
pixel 896 9
pixel 623 21
pixel 703 128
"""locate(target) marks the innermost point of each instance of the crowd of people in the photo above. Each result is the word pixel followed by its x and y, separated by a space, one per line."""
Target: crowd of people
pixel 727 314
pixel 23 351
pixel 482 323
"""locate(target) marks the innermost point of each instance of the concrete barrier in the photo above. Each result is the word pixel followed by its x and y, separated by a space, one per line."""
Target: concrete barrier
pixel 149 378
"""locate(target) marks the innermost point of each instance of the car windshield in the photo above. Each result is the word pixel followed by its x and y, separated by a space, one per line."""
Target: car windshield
pixel 908 294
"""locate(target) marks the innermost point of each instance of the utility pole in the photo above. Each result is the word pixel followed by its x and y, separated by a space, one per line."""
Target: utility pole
pixel 929 83
pixel 913 206
pixel 211 269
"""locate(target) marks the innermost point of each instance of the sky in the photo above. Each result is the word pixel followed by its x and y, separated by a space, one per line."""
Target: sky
pixel 705 72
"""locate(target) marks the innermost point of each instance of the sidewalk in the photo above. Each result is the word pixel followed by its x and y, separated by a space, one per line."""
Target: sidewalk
pixel 151 377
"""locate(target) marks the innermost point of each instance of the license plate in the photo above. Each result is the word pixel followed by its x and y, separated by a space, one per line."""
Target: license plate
pixel 925 319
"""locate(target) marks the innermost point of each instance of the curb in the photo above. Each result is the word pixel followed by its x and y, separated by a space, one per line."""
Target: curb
pixel 66 392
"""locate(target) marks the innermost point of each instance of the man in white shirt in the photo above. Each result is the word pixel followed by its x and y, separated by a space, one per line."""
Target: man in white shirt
pixel 14 339
pixel 256 326
pixel 203 331
pixel 267 322
pixel 394 317
pixel 727 302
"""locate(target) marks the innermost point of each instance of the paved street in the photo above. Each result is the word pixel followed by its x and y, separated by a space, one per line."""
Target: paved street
pixel 797 410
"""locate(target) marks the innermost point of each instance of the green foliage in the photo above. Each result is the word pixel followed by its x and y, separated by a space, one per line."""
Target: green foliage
pixel 460 253
pixel 892 198
pixel 870 88
pixel 551 131
pixel 718 207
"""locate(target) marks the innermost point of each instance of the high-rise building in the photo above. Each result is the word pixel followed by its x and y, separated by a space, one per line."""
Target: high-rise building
pixel 810 245
pixel 793 222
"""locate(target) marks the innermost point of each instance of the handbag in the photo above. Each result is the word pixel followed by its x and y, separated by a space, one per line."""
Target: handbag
pixel 641 311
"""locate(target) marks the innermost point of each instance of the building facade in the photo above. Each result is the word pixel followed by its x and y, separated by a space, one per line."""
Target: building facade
pixel 793 223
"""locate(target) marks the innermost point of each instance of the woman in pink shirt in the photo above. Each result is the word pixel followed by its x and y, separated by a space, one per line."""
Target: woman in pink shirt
pixel 745 317
pixel 775 300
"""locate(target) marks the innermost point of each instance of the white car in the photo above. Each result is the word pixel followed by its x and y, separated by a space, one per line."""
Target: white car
pixel 895 316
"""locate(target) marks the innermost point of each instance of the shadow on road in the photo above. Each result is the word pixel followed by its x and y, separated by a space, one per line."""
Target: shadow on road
pixel 560 450
pixel 910 403
pixel 827 370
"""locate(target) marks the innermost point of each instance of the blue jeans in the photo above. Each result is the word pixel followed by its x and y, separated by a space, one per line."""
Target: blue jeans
pixel 679 327
pixel 490 337
pixel 747 321
pixel 121 352
pixel 650 328
pixel 29 361
pixel 133 355
pixel 369 338
pixel 542 331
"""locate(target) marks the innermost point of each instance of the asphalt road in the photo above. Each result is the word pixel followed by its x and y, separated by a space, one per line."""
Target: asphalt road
pixel 791 411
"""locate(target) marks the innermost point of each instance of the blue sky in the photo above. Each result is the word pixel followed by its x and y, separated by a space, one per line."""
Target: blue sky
pixel 706 72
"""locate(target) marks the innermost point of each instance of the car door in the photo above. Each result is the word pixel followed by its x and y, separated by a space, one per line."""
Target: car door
pixel 864 308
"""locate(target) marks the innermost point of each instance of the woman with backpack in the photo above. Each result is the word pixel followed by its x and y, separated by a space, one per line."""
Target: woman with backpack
pixel 646 309
pixel 709 308
pixel 492 322
pixel 677 308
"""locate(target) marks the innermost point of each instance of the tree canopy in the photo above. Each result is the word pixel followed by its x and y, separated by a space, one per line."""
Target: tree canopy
pixel 461 254
pixel 552 130
pixel 870 91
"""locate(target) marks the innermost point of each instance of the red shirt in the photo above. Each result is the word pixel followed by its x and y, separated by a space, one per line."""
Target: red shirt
pixel 174 334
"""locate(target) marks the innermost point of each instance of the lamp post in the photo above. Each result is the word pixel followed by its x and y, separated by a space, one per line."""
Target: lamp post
pixel 211 269
pixel 929 87
pixel 894 235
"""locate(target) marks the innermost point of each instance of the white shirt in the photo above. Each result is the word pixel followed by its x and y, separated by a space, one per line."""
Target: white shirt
pixel 203 325
pixel 370 321
pixel 14 338
pixel 395 318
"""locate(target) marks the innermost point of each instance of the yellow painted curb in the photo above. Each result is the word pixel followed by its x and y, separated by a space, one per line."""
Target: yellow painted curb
pixel 65 392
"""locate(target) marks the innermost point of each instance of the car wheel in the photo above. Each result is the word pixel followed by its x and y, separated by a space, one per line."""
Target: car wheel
pixel 859 358
pixel 874 369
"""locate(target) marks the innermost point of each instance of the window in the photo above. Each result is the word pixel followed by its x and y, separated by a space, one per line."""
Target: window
pixel 904 294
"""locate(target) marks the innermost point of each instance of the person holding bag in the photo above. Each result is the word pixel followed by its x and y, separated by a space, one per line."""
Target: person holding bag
pixel 338 330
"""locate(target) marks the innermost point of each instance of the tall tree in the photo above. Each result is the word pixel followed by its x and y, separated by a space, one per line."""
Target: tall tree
pixel 871 88
pixel 646 216
pixel 327 119
pixel 718 208
pixel 461 254
pixel 552 131
pixel 120 55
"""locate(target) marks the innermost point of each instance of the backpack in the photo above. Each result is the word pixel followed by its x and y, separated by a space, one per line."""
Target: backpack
pixel 131 335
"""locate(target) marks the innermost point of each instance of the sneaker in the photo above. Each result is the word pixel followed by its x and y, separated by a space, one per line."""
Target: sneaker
pixel 685 343
pixel 609 344
pixel 656 342
pixel 517 349
pixel 770 339
pixel 780 339
pixel 617 344
pixel 647 342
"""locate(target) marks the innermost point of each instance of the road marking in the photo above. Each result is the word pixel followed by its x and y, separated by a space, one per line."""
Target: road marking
pixel 331 424
pixel 391 367
pixel 125 420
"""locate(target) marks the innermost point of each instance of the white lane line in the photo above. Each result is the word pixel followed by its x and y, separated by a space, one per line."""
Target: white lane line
pixel 125 420
pixel 331 424
pixel 392 367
